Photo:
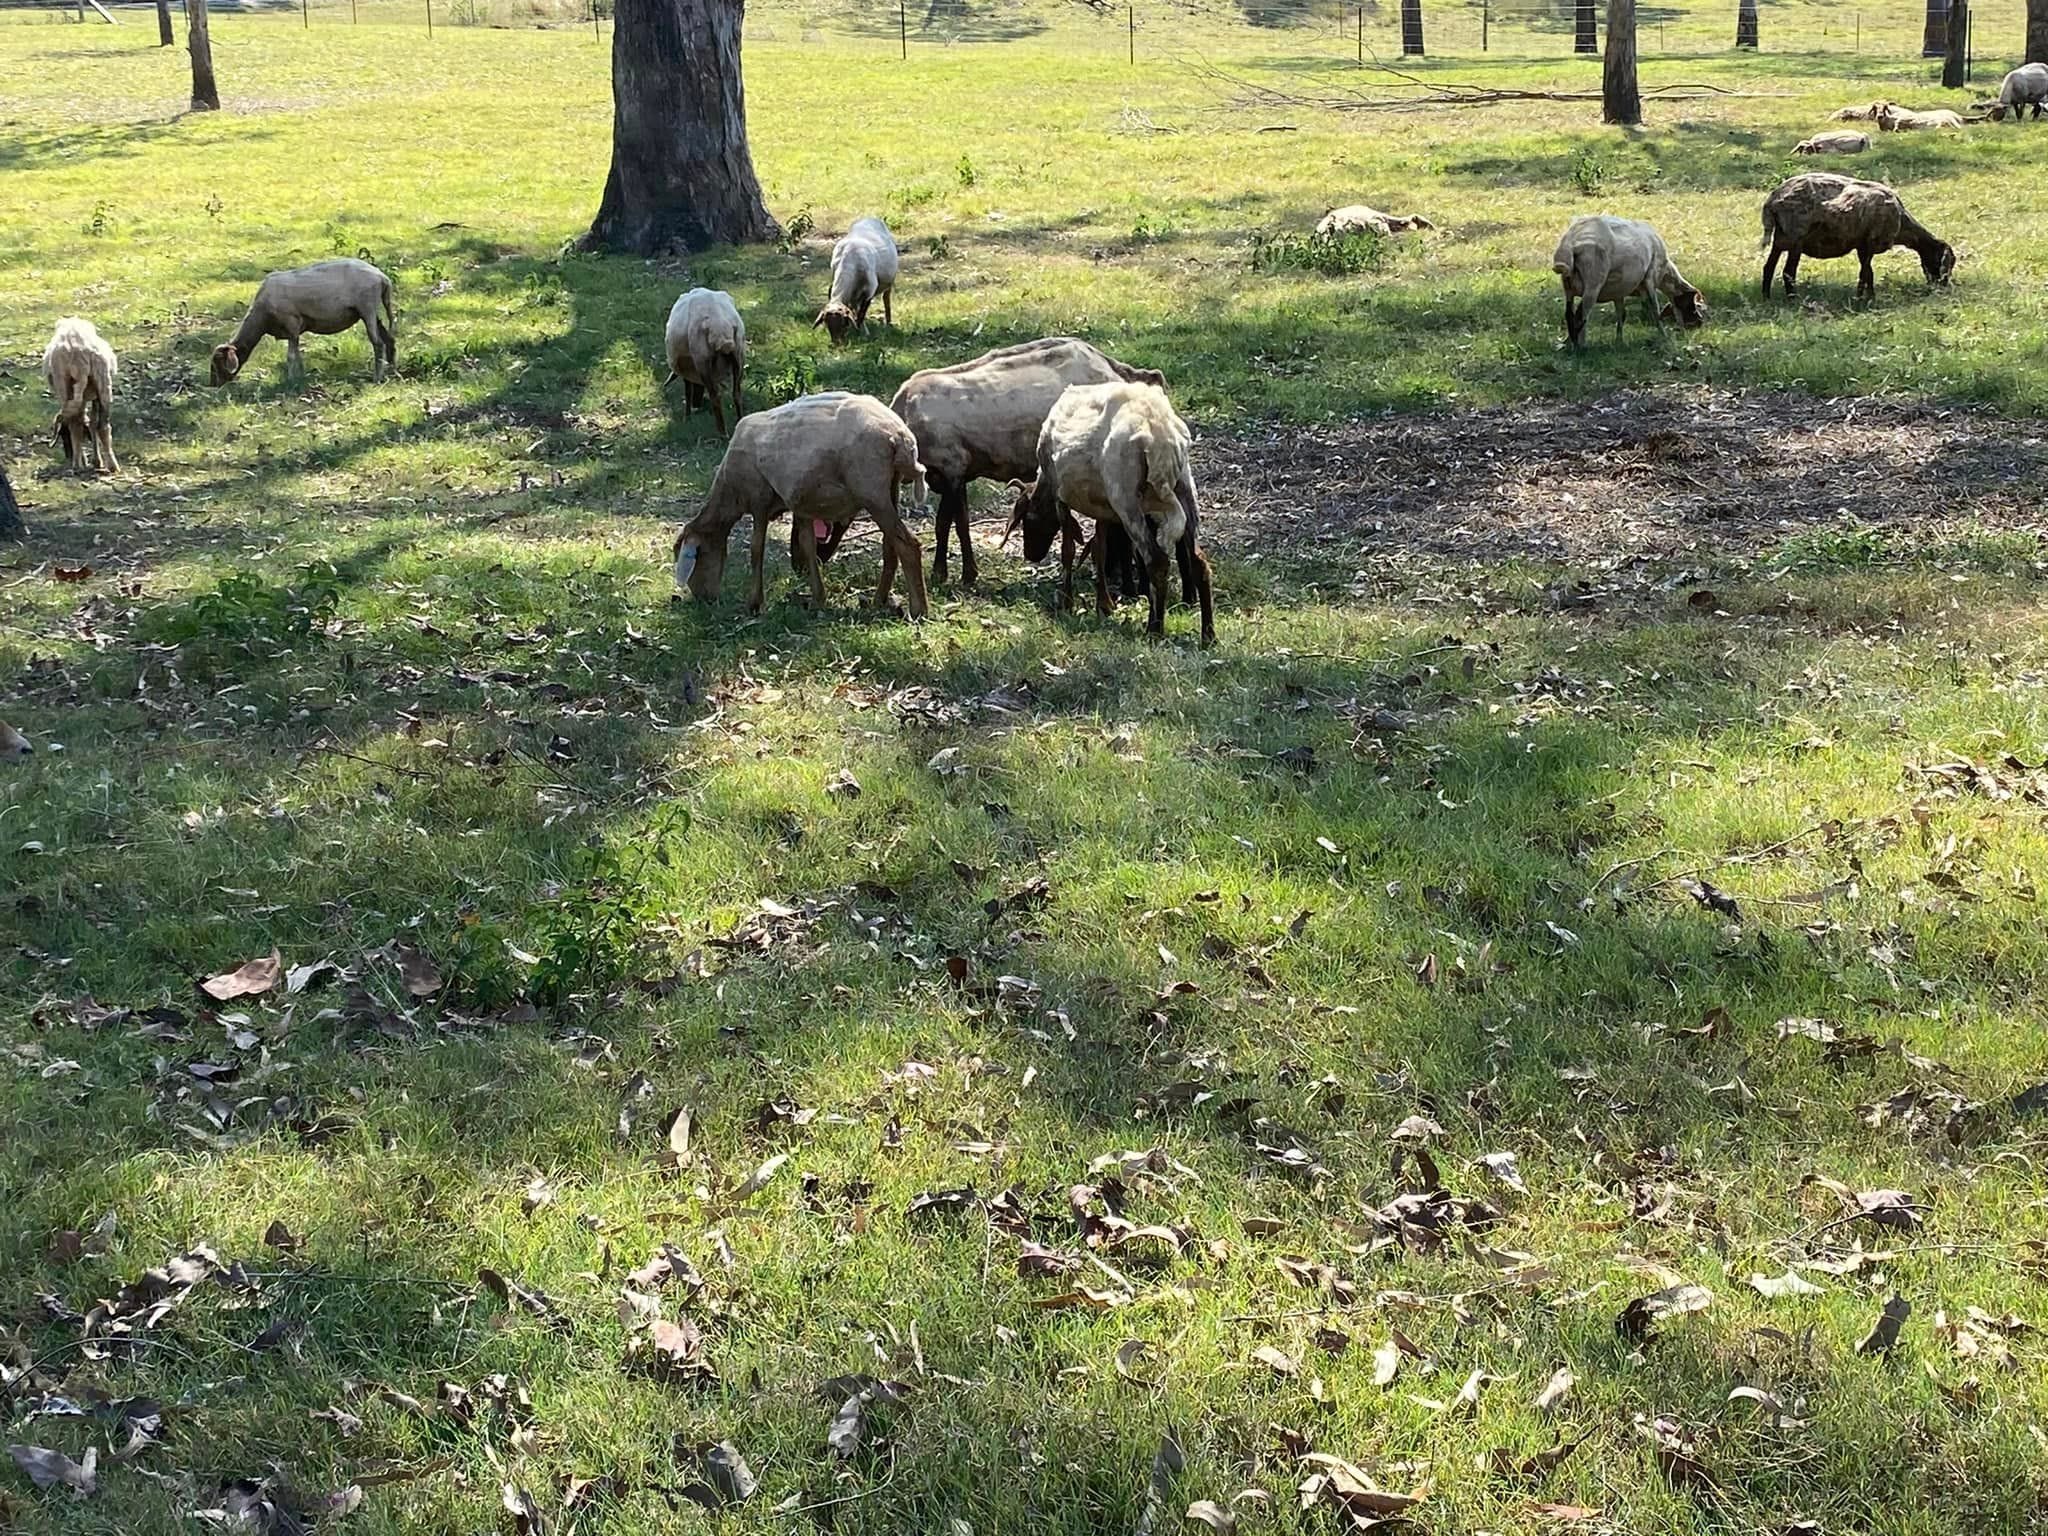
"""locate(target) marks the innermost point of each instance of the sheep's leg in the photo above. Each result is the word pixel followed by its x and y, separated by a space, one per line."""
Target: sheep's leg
pixel 888 576
pixel 1656 314
pixel 1620 314
pixel 1574 321
pixel 103 439
pixel 717 404
pixel 1070 546
pixel 1791 272
pixel 807 558
pixel 899 543
pixel 969 569
pixel 1866 276
pixel 1155 622
pixel 1200 563
pixel 1771 267
pixel 945 525
pixel 1103 606
pixel 888 310
pixel 738 410
pixel 755 596
pixel 376 345
pixel 294 364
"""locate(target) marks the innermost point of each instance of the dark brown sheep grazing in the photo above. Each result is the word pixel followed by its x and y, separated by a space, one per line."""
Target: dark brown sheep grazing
pixel 1824 215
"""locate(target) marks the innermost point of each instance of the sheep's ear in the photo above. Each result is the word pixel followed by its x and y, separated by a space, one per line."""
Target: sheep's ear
pixel 815 324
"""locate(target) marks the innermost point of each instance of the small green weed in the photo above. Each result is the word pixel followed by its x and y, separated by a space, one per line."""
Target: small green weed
pixel 1331 255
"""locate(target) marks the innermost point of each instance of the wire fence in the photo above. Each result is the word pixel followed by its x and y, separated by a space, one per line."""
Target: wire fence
pixel 1884 34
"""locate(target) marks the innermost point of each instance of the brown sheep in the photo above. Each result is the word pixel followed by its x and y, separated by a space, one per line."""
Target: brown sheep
pixel 1825 215
pixel 80 367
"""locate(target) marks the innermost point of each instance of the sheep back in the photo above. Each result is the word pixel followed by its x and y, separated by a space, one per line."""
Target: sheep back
pixel 1842 142
pixel 704 332
pixel 1823 214
pixel 1116 451
pixel 820 456
pixel 79 365
pixel 1620 255
pixel 325 297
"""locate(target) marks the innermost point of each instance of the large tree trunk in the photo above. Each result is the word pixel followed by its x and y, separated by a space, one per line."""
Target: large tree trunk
pixel 1934 40
pixel 205 94
pixel 164 39
pixel 10 511
pixel 2037 31
pixel 1586 39
pixel 1953 70
pixel 1620 100
pixel 1745 24
pixel 681 175
pixel 1411 27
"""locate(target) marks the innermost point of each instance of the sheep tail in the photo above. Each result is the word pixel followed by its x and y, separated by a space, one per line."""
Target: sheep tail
pixel 390 314
pixel 911 473
pixel 1770 237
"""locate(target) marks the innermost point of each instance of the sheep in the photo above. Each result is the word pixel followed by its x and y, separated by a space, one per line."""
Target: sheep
pixel 323 299
pixel 1361 220
pixel 13 744
pixel 2025 87
pixel 1823 215
pixel 863 270
pixel 981 419
pixel 79 367
pixel 1116 453
pixel 706 344
pixel 1905 120
pixel 1868 114
pixel 1839 142
pixel 824 459
pixel 1603 259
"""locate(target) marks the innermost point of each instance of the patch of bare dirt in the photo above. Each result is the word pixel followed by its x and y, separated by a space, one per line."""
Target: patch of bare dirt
pixel 1638 476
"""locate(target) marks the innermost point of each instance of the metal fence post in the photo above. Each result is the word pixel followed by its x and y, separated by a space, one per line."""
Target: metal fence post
pixel 902 29
pixel 1361 35
pixel 305 14
pixel 430 18
pixel 1485 25
pixel 1131 25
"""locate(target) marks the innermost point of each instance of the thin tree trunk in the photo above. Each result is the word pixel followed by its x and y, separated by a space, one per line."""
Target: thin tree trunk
pixel 1411 27
pixel 1620 99
pixel 2037 31
pixel 164 37
pixel 205 94
pixel 10 511
pixel 1587 38
pixel 681 176
pixel 1952 65
pixel 1934 40
pixel 1745 24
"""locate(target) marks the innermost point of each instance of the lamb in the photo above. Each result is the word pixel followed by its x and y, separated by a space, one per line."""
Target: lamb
pixel 1839 142
pixel 79 367
pixel 2025 87
pixel 1361 220
pixel 323 299
pixel 1824 215
pixel 1603 259
pixel 1116 453
pixel 824 459
pixel 863 270
pixel 1905 120
pixel 707 345
pixel 981 420
pixel 1867 114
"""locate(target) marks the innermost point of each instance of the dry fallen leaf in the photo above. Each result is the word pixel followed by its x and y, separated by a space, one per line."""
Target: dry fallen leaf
pixel 1128 1354
pixel 757 1180
pixel 1556 1390
pixel 1788 1284
pixel 1386 1364
pixel 1280 1364
pixel 1641 1316
pixel 245 980
pixel 1213 1515
pixel 53 1469
pixel 1884 1333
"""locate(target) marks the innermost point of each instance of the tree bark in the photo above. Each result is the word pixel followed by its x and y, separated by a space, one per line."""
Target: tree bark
pixel 1745 24
pixel 682 176
pixel 1587 37
pixel 1953 71
pixel 1411 27
pixel 1934 40
pixel 1620 99
pixel 205 94
pixel 2037 31
pixel 164 37
pixel 11 526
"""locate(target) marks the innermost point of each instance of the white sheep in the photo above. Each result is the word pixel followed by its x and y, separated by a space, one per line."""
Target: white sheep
pixel 323 299
pixel 1603 259
pixel 1863 114
pixel 1905 120
pixel 1361 220
pixel 706 344
pixel 863 270
pixel 824 459
pixel 1119 454
pixel 79 367
pixel 981 419
pixel 2025 87
pixel 1839 142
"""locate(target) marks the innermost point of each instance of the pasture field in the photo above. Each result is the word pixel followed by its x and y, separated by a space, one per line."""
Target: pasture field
pixel 1599 861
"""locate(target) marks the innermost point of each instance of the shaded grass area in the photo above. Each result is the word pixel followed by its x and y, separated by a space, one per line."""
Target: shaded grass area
pixel 355 667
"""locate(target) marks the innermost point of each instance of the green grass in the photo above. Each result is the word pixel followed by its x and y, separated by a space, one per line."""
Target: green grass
pixel 361 663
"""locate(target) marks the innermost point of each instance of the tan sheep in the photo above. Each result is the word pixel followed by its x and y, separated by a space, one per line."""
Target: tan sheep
pixel 863 270
pixel 824 459
pixel 981 419
pixel 1864 114
pixel 1904 120
pixel 1602 259
pixel 1824 215
pixel 1361 220
pixel 13 744
pixel 1838 142
pixel 2024 87
pixel 1116 453
pixel 323 299
pixel 706 342
pixel 79 367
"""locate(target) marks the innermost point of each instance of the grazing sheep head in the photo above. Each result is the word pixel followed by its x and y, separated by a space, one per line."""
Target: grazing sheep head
pixel 1688 307
pixel 1038 515
pixel 837 319
pixel 227 362
pixel 13 744
pixel 1938 261
pixel 1997 111
pixel 700 562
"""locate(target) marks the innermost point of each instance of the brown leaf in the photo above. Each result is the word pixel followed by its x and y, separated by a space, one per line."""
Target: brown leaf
pixel 1208 1512
pixel 1339 1482
pixel 1280 1364
pixel 1641 1316
pixel 1502 1462
pixel 279 1236
pixel 1791 1283
pixel 1386 1364
pixel 1128 1354
pixel 756 1181
pixel 1168 1462
pixel 1884 1333
pixel 71 572
pixel 1556 1390
pixel 527 1519
pixel 1674 1452
pixel 1566 1514
pixel 53 1469
pixel 421 976
pixel 246 980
